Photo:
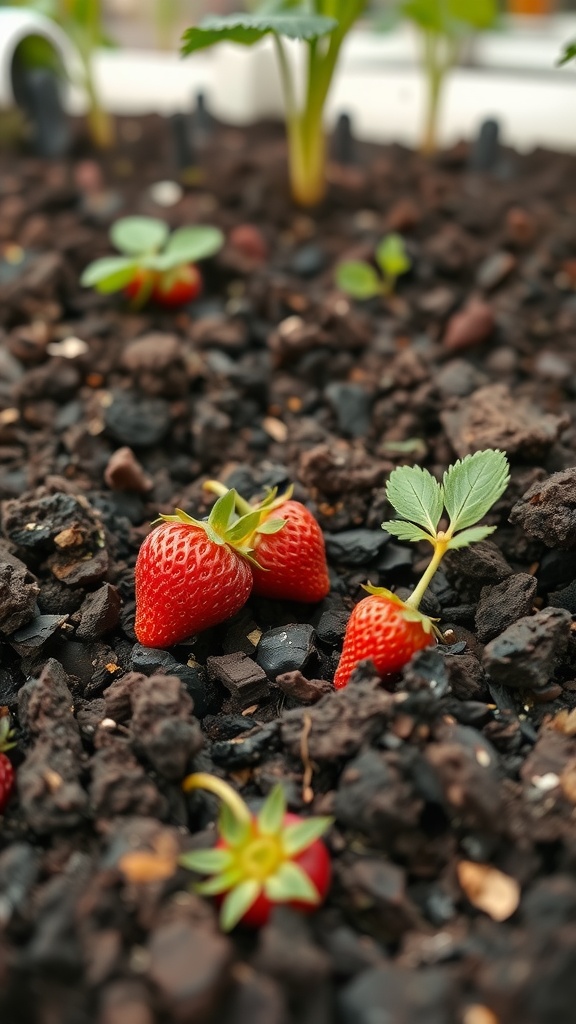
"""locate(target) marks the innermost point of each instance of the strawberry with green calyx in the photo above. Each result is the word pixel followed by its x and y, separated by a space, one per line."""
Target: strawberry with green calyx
pixel 384 628
pixel 260 860
pixel 7 775
pixel 154 263
pixel 288 547
pixel 192 574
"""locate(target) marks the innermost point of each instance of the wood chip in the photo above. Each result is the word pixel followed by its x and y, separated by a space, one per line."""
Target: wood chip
pixel 275 429
pixel 488 889
pixel 155 865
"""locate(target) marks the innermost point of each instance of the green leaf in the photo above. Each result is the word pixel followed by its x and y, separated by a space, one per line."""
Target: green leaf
pixel 219 883
pixel 290 883
pixel 206 862
pixel 245 525
pixel 451 17
pixel 302 834
pixel 568 55
pixel 391 256
pixel 472 485
pixel 405 531
pixel 189 245
pixel 358 279
pixel 235 832
pixel 470 536
pixel 248 29
pixel 136 236
pixel 238 902
pixel 272 814
pixel 109 274
pixel 271 526
pixel 222 512
pixel 416 496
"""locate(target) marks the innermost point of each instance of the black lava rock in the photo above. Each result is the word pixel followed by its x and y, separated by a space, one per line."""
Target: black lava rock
pixel 137 421
pixel 285 648
pixel 525 654
pixel 503 604
pixel 351 405
pixel 355 547
pixel 205 695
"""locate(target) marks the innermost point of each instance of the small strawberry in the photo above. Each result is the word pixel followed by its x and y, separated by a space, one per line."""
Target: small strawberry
pixel 260 860
pixel 140 288
pixel 191 575
pixel 177 287
pixel 288 548
pixel 7 775
pixel 385 629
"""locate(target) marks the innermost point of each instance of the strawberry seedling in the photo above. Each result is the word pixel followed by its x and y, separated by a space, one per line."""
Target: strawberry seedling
pixel 323 26
pixel 288 548
pixel 7 776
pixel 361 281
pixel 154 263
pixel 384 628
pixel 261 860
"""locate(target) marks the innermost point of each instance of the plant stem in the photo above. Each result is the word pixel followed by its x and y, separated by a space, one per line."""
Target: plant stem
pixel 435 78
pixel 440 549
pixel 221 789
pixel 243 507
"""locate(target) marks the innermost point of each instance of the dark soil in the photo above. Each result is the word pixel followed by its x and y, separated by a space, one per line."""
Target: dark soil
pixel 453 788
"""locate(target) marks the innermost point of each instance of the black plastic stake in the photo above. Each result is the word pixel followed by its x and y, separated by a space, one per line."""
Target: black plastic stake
pixel 343 142
pixel 183 149
pixel 485 152
pixel 40 99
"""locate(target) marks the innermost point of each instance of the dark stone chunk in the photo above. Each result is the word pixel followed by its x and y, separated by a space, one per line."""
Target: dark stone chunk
pixel 463 769
pixel 494 269
pixel 493 417
pixel 203 692
pixel 307 691
pixel 137 421
pixel 350 404
pixel 481 564
pixel 467 328
pixel 308 261
pixel 18 593
pixel 375 893
pixel 355 547
pixel 285 648
pixel 556 567
pixel 19 870
pixel 503 604
pixel 332 625
pixel 257 1000
pixel 119 783
pixel 36 523
pixel 388 994
pixel 100 613
pixel 56 598
pixel 162 727
pixel 242 677
pixel 375 799
pixel 246 751
pixel 37 633
pixel 394 556
pixel 526 653
pixel 467 677
pixel 190 965
pixel 565 598
pixel 548 510
pixel 226 727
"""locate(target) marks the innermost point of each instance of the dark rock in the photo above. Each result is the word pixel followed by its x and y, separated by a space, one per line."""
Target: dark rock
pixel 375 799
pixel 388 994
pixel 246 751
pixel 469 326
pixel 308 261
pixel 375 893
pixel 503 604
pixel 162 726
pixel 355 547
pixel 286 648
pixel 119 784
pixel 493 417
pixel 526 653
pixel 565 598
pixel 556 567
pixel 124 473
pixel 458 378
pixel 35 634
pixel 287 953
pixel 479 564
pixel 190 966
pixel 55 520
pixel 307 691
pixel 256 999
pixel 19 871
pixel 137 421
pixel 495 269
pixel 548 510
pixel 18 593
pixel 203 692
pixel 467 677
pixel 332 625
pixel 350 404
pixel 243 678
pixel 100 613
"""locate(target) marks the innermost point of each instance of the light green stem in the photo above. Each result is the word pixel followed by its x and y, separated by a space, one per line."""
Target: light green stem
pixel 243 507
pixel 440 549
pixel 221 789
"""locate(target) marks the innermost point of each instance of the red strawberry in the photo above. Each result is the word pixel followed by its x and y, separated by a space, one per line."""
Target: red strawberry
pixel 140 287
pixel 385 629
pixel 191 575
pixel 178 286
pixel 7 776
pixel 293 560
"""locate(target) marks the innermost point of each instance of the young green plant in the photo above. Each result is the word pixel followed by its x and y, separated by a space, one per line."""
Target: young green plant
pixel 360 280
pixel 444 27
pixel 259 860
pixel 322 25
pixel 154 263
pixel 382 626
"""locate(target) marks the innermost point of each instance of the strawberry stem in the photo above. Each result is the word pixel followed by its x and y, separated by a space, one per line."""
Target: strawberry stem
pixel 441 543
pixel 221 789
pixel 243 507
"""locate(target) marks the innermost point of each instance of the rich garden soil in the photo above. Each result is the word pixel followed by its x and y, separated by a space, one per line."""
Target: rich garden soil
pixel 453 788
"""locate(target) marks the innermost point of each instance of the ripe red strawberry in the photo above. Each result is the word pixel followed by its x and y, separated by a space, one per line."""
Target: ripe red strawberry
pixel 7 775
pixel 293 560
pixel 178 286
pixel 191 575
pixel 140 287
pixel 385 629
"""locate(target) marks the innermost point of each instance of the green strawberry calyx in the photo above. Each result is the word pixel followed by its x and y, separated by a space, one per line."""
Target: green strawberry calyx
pixel 409 613
pixel 6 735
pixel 256 854
pixel 264 522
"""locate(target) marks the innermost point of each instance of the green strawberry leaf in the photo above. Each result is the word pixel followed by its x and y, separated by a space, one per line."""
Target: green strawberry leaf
pixel 222 512
pixel 405 531
pixel 272 814
pixel 391 256
pixel 290 883
pixel 238 902
pixel 232 830
pixel 472 485
pixel 206 862
pixel 271 526
pixel 190 245
pixel 109 274
pixel 470 536
pixel 568 54
pixel 243 527
pixel 219 883
pixel 358 279
pixel 416 496
pixel 248 29
pixel 136 236
pixel 301 835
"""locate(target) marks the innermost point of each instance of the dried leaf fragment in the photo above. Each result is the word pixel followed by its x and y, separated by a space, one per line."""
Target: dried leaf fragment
pixel 489 889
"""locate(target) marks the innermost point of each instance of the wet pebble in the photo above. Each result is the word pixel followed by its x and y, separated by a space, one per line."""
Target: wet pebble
pixel 355 547
pixel 137 421
pixel 286 648
pixel 351 404
pixel 526 653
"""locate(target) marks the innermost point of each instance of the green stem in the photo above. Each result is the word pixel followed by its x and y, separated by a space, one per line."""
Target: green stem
pixel 243 507
pixel 440 549
pixel 221 789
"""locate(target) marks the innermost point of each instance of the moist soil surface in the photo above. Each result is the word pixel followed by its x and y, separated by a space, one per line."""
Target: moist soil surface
pixel 452 786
